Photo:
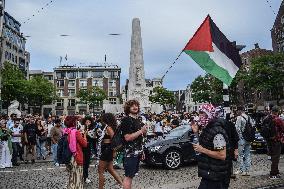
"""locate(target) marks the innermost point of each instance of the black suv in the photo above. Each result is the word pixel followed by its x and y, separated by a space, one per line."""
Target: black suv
pixel 172 150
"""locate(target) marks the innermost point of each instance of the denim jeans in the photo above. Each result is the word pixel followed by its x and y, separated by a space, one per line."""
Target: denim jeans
pixel 16 151
pixel 54 152
pixel 40 148
pixel 244 155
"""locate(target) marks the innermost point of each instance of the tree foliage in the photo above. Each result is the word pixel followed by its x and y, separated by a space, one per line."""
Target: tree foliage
pixel 13 83
pixel 35 92
pixel 266 74
pixel 92 95
pixel 207 89
pixel 40 91
pixel 162 96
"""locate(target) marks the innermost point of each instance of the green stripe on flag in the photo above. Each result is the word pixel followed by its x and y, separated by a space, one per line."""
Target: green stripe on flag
pixel 203 59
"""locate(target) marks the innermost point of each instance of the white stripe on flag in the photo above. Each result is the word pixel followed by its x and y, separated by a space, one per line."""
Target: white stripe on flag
pixel 223 61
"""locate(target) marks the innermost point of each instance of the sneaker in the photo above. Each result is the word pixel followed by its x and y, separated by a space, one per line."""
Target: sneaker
pixel 233 176
pixel 273 177
pixel 44 158
pixel 26 162
pixel 239 172
pixel 87 181
pixel 56 164
pixel 269 157
pixel 246 173
pixel 33 161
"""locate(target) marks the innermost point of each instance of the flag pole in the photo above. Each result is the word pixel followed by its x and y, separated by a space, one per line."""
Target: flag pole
pixel 226 99
pixel 172 65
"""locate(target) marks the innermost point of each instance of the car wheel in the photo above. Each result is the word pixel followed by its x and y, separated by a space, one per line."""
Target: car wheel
pixel 172 159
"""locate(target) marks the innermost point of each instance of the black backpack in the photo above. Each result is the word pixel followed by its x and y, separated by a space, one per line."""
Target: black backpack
pixel 249 131
pixel 268 128
pixel 64 154
pixel 117 140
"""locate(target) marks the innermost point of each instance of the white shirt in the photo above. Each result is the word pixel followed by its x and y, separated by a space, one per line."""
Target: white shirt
pixel 16 131
pixel 158 127
pixel 49 127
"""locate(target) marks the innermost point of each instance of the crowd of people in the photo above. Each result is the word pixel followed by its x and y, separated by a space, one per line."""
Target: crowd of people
pixel 221 140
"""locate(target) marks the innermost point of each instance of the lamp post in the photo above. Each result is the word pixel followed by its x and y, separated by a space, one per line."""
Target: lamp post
pixel 2 6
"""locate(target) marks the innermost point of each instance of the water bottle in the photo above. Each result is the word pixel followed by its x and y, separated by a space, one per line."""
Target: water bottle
pixel 195 140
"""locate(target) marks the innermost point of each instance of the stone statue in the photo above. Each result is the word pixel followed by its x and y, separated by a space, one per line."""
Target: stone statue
pixel 13 109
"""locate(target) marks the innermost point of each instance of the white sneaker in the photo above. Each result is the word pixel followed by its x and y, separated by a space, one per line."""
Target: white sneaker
pixel 56 164
pixel 87 181
pixel 238 172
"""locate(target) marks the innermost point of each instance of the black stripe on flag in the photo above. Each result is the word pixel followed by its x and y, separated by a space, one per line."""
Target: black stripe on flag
pixel 224 45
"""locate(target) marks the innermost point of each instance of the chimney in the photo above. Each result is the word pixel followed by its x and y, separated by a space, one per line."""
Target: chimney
pixel 256 46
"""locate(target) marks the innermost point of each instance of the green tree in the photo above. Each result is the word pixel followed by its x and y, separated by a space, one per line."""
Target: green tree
pixel 207 89
pixel 14 83
pixel 266 74
pixel 92 96
pixel 40 91
pixel 162 96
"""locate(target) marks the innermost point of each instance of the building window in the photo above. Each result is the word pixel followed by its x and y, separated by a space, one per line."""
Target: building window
pixel 112 100
pixel 60 92
pixel 112 92
pixel 60 103
pixel 98 83
pixel 60 83
pixel 114 74
pixel 48 77
pixel 71 75
pixel 83 74
pixel 112 83
pixel 71 102
pixel 71 92
pixel 83 83
pixel 98 74
pixel 71 83
pixel 106 74
pixel 61 75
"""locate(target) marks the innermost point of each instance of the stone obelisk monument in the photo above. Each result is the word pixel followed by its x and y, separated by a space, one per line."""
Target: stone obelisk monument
pixel 137 85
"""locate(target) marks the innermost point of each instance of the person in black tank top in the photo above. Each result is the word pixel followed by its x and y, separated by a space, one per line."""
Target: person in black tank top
pixel 106 157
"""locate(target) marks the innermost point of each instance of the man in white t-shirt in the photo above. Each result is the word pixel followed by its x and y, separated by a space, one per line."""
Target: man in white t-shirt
pixel 158 130
pixel 49 126
pixel 17 132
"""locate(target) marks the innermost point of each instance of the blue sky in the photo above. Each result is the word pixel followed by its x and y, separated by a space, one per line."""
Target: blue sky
pixel 167 25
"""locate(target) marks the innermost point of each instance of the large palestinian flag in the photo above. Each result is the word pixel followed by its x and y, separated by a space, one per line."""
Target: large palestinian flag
pixel 214 53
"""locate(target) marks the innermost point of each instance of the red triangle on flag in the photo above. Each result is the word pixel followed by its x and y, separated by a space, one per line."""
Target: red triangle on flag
pixel 202 39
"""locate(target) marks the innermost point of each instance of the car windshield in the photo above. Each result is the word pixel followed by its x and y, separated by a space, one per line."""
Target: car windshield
pixel 179 131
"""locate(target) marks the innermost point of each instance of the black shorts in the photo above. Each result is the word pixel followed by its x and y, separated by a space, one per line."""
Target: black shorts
pixel 131 166
pixel 48 141
pixel 159 134
pixel 106 153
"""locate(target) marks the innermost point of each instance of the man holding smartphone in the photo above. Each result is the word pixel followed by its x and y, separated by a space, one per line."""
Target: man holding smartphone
pixel 133 131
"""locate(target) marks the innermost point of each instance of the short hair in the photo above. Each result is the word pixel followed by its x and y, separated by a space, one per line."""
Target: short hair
pixel 275 109
pixel 88 118
pixel 70 121
pixel 129 104
pixel 110 120
pixel 240 108
pixel 57 121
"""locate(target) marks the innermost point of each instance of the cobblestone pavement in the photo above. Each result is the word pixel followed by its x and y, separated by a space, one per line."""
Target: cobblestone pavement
pixel 45 175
